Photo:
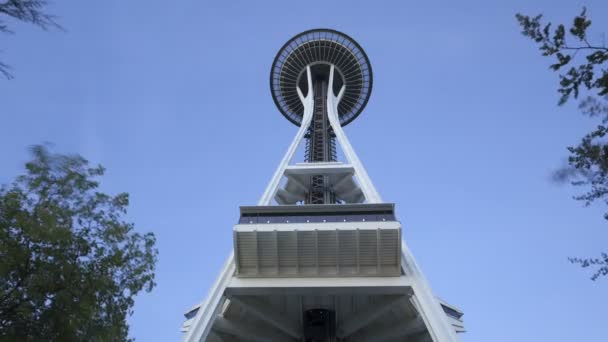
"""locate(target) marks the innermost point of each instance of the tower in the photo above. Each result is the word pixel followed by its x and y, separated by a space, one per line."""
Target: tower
pixel 321 257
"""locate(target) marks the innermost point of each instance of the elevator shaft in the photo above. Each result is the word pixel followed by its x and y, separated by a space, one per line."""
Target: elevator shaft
pixel 320 146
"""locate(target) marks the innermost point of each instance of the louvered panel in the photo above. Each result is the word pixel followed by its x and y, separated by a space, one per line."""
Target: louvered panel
pixel 328 254
pixel 288 252
pixel 267 252
pixel 347 258
pixel 389 247
pixel 307 252
pixel 246 248
pixel 390 250
pixel 327 248
pixel 368 248
pixel 319 252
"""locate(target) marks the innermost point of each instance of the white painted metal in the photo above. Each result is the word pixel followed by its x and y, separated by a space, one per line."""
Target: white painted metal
pixel 404 285
pixel 308 103
pixel 317 226
pixel 259 319
pixel 365 317
pixel 347 249
pixel 429 307
pixel 371 195
pixel 326 285
pixel 319 168
pixel 369 191
pixel 339 178
pixel 457 323
pixel 203 320
pixel 261 310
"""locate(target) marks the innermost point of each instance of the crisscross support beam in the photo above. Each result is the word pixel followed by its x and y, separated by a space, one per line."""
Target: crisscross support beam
pixel 308 101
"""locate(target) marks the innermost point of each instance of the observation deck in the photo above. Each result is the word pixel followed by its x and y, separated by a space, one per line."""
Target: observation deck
pixel 320 48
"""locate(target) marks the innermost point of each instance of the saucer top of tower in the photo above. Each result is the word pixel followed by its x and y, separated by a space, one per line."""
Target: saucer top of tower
pixel 320 48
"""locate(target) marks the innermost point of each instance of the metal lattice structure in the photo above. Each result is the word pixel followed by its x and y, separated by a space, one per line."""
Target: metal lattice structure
pixel 320 146
pixel 321 258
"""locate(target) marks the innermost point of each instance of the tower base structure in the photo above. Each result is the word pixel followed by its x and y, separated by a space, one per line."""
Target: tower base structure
pixel 347 260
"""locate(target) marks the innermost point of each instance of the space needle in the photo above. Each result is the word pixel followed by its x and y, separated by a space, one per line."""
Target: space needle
pixel 321 258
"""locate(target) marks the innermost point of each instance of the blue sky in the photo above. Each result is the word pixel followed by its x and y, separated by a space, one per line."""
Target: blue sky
pixel 462 132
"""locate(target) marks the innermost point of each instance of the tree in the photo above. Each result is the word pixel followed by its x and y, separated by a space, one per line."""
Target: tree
pixel 587 73
pixel 29 11
pixel 70 265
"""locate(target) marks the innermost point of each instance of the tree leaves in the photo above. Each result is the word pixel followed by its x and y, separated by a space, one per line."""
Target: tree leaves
pixel 70 266
pixel 554 43
pixel 601 265
pixel 580 25
pixel 29 11
pixel 588 161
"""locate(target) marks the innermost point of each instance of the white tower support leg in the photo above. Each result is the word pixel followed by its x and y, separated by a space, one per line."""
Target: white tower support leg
pixel 210 308
pixel 434 317
pixel 428 306
pixel 371 195
pixel 275 181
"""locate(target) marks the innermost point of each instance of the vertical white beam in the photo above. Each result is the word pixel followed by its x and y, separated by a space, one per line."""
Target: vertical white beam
pixel 425 302
pixel 275 181
pixel 201 325
pixel 371 195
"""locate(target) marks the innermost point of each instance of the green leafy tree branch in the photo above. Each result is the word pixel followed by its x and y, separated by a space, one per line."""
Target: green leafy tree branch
pixel 70 265
pixel 583 69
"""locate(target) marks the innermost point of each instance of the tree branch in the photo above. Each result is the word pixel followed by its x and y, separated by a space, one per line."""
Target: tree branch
pixel 584 48
pixel 29 11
